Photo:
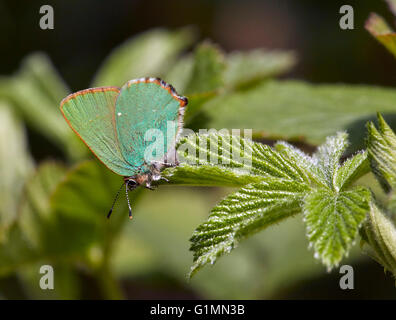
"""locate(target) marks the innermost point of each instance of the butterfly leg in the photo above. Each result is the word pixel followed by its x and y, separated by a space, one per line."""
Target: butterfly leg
pixel 149 186
pixel 150 178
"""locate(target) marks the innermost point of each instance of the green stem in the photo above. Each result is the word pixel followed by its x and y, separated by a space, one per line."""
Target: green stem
pixel 109 285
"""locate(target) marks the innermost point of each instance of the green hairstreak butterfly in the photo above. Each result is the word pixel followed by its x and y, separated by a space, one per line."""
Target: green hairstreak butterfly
pixel 118 125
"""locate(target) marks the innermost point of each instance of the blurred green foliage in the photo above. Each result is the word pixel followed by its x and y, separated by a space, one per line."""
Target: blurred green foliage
pixel 54 212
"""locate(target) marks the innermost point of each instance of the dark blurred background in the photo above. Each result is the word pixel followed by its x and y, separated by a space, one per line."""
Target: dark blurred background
pixel 87 31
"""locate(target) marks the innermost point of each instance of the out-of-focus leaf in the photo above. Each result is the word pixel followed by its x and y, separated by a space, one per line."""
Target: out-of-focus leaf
pixel 63 218
pixel 35 211
pixel 208 70
pixel 380 233
pixel 244 68
pixel 33 222
pixel 180 73
pixel 42 72
pixel 294 108
pixel 15 166
pixel 16 251
pixel 148 54
pixel 380 30
pixel 206 78
pixel 25 244
pixel 381 145
pixel 35 93
pixel 79 208
pixel 392 204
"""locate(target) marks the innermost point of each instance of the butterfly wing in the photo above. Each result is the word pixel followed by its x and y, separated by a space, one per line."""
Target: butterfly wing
pixel 90 113
pixel 143 104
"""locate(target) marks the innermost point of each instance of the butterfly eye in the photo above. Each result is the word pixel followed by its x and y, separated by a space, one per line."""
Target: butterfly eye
pixel 132 184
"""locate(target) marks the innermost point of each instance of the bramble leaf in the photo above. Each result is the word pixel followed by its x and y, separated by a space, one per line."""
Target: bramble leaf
pixel 333 220
pixel 327 158
pixel 223 159
pixel 243 213
pixel 351 170
pixel 288 181
pixel 380 233
pixel 381 146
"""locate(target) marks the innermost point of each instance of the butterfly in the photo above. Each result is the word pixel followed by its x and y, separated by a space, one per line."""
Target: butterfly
pixel 125 128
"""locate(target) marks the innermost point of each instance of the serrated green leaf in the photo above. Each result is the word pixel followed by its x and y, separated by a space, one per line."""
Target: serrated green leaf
pixel 229 160
pixel 351 170
pixel 148 54
pixel 380 30
pixel 15 165
pixel 303 160
pixel 297 109
pixel 327 158
pixel 243 213
pixel 245 68
pixel 206 175
pixel 381 147
pixel 333 215
pixel 333 220
pixel 323 168
pixel 380 233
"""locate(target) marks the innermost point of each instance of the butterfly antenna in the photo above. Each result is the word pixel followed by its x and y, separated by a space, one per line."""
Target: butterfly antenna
pixel 129 205
pixel 114 202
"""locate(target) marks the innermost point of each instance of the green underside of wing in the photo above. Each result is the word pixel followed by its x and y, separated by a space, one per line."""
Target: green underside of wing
pixel 91 116
pixel 146 122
